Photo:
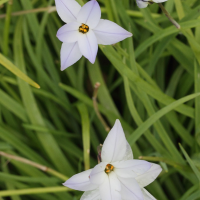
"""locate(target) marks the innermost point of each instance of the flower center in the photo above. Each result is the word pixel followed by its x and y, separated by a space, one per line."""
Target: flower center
pixel 109 168
pixel 83 28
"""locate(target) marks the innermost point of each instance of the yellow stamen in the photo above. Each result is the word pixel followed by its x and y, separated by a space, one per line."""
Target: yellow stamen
pixel 109 168
pixel 83 28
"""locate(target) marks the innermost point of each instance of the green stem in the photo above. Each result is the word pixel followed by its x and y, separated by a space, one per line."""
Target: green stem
pixel 169 17
pixel 41 167
pixel 95 104
pixel 57 174
pixel 53 9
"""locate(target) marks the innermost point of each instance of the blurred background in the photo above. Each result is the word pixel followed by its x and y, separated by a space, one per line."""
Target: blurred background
pixel 56 126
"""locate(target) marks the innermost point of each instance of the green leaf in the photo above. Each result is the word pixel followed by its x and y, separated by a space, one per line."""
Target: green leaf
pixel 192 165
pixel 197 101
pixel 12 105
pixel 33 191
pixel 3 1
pixel 8 65
pixel 149 122
pixel 143 85
pixel 85 134
pixel 47 140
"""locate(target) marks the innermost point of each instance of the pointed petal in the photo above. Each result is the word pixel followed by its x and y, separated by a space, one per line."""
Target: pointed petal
pixel 115 186
pixel 130 189
pixel 131 168
pixel 108 32
pixel 159 1
pixel 147 195
pixel 67 10
pixel 90 14
pixel 91 195
pixel 141 4
pixel 129 154
pixel 149 176
pixel 69 32
pixel 104 190
pixel 98 174
pixel 81 182
pixel 114 146
pixel 88 45
pixel 70 53
pixel 110 189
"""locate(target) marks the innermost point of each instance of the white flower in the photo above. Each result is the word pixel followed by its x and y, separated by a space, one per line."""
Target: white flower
pixel 84 31
pixel 118 176
pixel 144 3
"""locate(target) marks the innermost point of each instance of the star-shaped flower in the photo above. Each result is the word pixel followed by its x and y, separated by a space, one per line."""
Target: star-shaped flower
pixel 144 3
pixel 118 176
pixel 84 31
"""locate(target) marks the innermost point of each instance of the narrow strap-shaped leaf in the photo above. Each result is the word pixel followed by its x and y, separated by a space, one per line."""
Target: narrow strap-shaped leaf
pixel 192 165
pixel 141 129
pixel 47 140
pixel 197 101
pixel 143 85
pixel 139 121
pixel 34 191
pixel 3 1
pixel 11 67
pixel 85 133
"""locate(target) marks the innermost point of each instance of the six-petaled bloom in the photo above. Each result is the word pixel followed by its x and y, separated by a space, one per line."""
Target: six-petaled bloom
pixel 118 176
pixel 84 31
pixel 144 3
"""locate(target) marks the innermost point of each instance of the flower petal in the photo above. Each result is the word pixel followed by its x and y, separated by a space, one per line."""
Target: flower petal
pixel 141 3
pixel 149 176
pixel 108 32
pixel 70 53
pixel 110 189
pixel 69 32
pixel 147 195
pixel 114 146
pixel 98 175
pixel 67 9
pixel 130 189
pixel 131 168
pixel 159 1
pixel 90 14
pixel 91 195
pixel 88 45
pixel 81 182
pixel 129 154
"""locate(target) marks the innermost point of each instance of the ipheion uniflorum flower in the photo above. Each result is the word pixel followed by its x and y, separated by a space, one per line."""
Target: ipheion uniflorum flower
pixel 145 3
pixel 84 31
pixel 118 176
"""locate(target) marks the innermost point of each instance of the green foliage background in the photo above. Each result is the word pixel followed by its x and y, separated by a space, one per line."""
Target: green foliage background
pixel 56 125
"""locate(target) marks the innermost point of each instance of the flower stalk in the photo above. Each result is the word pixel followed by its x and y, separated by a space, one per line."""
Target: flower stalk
pixel 95 104
pixel 34 164
pixel 169 16
pixel 50 9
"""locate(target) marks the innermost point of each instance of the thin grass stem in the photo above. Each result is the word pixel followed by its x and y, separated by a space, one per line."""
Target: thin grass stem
pixel 169 16
pixel 94 99
pixel 34 164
